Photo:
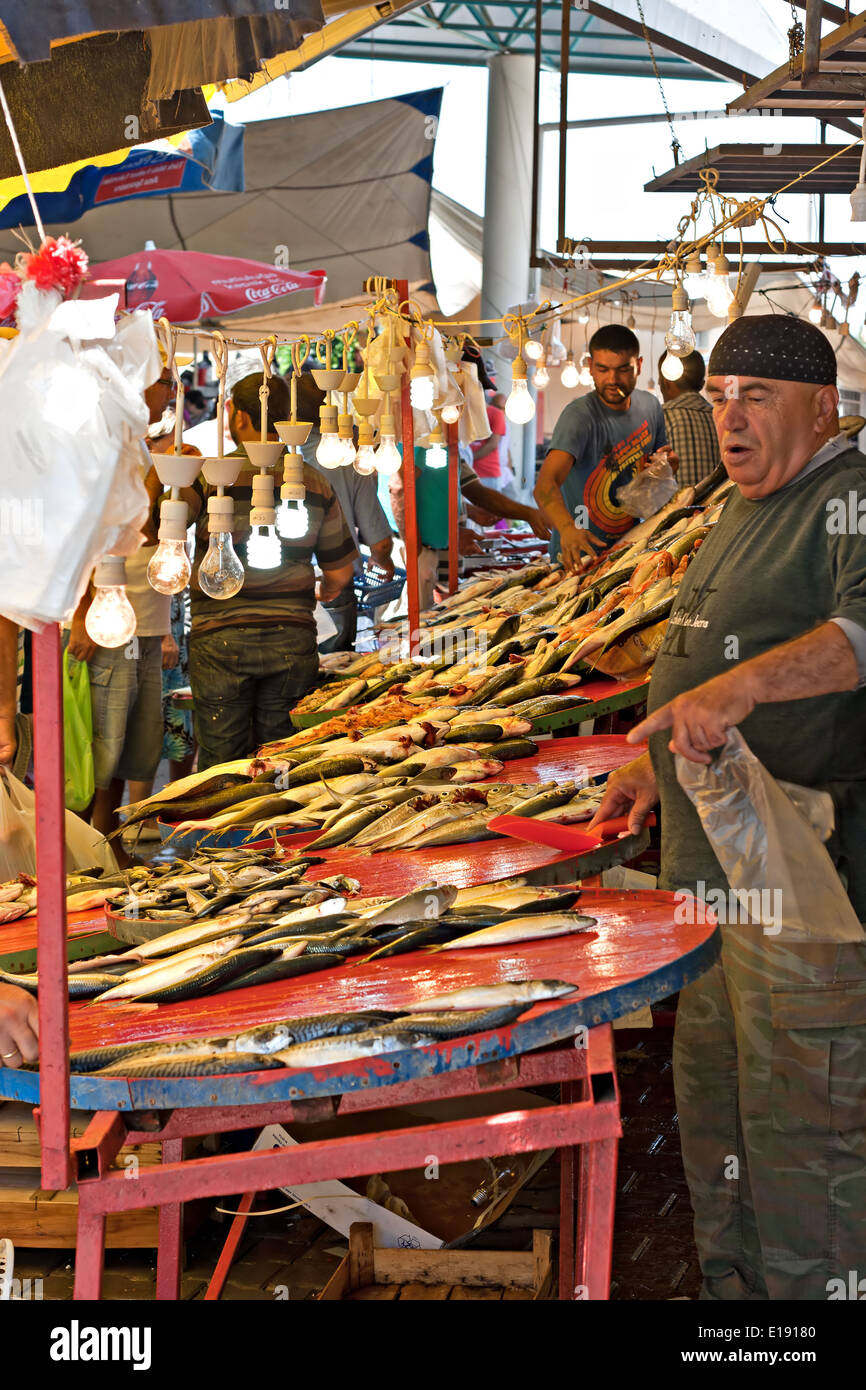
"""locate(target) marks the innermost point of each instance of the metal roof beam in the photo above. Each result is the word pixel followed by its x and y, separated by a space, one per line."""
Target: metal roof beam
pixel 679 25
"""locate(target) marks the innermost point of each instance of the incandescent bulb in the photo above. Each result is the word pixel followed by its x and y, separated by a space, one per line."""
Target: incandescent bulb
pixel 695 285
pixel 816 313
pixel 365 463
pixel 110 619
pixel 520 407
pixel 220 574
pixel 450 414
pixel 533 349
pixel 436 456
pixel 719 295
pixel 264 551
pixel 388 460
pixel 421 392
pixel 169 569
pixel 672 367
pixel 583 316
pixel 569 376
pixel 584 376
pixel 347 452
pixel 329 451
pixel 680 337
pixel 292 520
pixel 542 378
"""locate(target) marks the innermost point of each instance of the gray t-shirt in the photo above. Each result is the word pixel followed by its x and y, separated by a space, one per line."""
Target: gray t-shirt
pixel 357 495
pixel 606 445
pixel 771 570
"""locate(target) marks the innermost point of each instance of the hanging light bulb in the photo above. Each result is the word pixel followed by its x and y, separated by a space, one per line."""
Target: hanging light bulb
pixel 585 375
pixel 365 460
pixel 533 348
pixel 388 458
pixel 422 380
pixel 220 574
pixel 110 620
pixel 680 337
pixel 169 569
pixel 672 367
pixel 437 454
pixel 583 316
pixel 816 313
pixel 292 517
pixel 694 280
pixel 520 407
pixel 329 450
pixel 719 292
pixel 346 437
pixel 542 375
pixel 568 376
pixel 451 413
pixel 263 547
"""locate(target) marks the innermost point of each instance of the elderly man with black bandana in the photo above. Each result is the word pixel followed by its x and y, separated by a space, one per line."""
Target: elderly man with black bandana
pixel 770 1047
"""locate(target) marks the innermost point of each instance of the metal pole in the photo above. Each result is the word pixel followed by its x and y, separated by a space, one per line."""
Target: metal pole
pixel 453 509
pixel 564 56
pixel 410 509
pixel 536 132
pixel 51 877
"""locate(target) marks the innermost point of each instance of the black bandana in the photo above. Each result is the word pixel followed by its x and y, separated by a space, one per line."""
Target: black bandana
pixel 775 346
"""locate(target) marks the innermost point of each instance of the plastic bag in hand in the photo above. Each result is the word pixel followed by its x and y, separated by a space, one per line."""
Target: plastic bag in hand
pixel 86 848
pixel 767 837
pixel 649 490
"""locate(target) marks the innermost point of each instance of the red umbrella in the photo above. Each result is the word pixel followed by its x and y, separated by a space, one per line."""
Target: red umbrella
pixel 187 286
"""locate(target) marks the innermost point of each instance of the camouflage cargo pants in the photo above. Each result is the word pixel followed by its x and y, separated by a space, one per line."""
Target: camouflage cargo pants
pixel 770 1076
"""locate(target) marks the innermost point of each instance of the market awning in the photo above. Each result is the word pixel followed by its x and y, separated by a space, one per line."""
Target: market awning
pixel 348 190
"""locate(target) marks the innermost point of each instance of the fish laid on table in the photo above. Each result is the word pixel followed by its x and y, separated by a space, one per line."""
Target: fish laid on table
pixel 272 1037
pixel 454 1023
pixel 190 1064
pixel 323 1052
pixel 536 926
pixel 522 992
pixel 424 903
pixel 82 986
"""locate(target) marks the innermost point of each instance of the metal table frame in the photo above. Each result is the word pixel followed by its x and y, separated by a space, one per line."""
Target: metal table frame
pixel 584 1126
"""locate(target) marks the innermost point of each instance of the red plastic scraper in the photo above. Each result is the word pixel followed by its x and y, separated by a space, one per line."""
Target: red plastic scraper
pixel 564 837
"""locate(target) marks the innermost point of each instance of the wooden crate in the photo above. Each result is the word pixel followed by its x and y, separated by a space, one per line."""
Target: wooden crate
pixel 19 1138
pixel 423 1275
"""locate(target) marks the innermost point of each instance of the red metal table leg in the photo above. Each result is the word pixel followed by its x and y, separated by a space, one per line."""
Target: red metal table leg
pixel 170 1233
pixel 597 1184
pixel 89 1253
pixel 227 1254
pixel 567 1205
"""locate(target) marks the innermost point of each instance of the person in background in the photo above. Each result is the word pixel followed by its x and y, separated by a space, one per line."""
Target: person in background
pixel 689 421
pixel 253 655
pixel 126 682
pixel 9 650
pixel 365 517
pixel 599 442
pixel 487 453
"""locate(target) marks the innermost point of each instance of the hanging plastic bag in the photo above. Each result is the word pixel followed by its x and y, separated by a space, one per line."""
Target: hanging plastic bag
pixel 325 625
pixel 767 836
pixel 650 490
pixel 86 848
pixel 77 736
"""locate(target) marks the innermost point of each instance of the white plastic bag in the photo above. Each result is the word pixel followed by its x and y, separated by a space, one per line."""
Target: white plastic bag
pixel 86 848
pixel 649 490
pixel 767 837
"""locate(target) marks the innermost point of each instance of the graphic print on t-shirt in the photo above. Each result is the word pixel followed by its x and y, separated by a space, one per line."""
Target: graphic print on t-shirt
pixel 615 467
pixel 685 618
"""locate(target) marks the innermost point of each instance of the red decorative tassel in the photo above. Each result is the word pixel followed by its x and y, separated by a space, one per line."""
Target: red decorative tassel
pixel 59 264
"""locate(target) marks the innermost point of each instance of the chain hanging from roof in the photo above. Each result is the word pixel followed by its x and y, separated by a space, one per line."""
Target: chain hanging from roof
pixel 676 147
pixel 796 42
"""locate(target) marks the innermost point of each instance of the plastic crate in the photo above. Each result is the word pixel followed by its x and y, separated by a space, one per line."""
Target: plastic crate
pixel 372 596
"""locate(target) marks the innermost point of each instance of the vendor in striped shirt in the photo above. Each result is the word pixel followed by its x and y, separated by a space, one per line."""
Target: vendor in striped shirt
pixel 689 421
pixel 252 656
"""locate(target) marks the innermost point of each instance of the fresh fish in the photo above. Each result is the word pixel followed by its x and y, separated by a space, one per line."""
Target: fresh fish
pixel 347 826
pixel 474 771
pixel 331 907
pixel 541 685
pixel 166 974
pixel 422 904
pixel 394 819
pixel 348 693
pixel 420 934
pixel 323 1052
pixel 83 986
pixel 273 1037
pixel 198 933
pixel 484 891
pixel 168 1064
pixel 523 992
pixel 454 1023
pixel 528 928
pixel 525 900
pixel 339 946
pixel 544 800
pixel 281 968
pixel 203 979
pixel 467 828
pixel 477 733
pixel 439 814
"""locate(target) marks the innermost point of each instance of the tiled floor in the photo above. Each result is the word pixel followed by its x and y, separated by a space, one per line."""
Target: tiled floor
pixel 292 1255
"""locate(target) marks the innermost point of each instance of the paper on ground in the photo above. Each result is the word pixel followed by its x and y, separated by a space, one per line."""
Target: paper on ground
pixel 339 1206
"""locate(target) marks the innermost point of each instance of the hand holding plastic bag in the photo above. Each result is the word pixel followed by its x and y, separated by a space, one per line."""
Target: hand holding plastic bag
pixel 649 490
pixel 86 848
pixel 767 837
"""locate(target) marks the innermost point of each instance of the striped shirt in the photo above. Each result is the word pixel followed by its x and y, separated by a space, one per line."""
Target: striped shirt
pixel 285 594
pixel 692 436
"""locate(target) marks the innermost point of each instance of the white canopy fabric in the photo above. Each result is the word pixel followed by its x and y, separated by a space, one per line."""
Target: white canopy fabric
pixel 346 190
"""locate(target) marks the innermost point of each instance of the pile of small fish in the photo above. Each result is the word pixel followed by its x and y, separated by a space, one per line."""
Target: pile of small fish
pixel 242 935
pixel 84 889
pixel 324 1039
pixel 518 643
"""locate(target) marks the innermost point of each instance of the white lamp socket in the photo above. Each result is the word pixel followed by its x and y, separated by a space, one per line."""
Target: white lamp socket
pixel 173 518
pixel 110 571
pixel 858 203
pixel 220 514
